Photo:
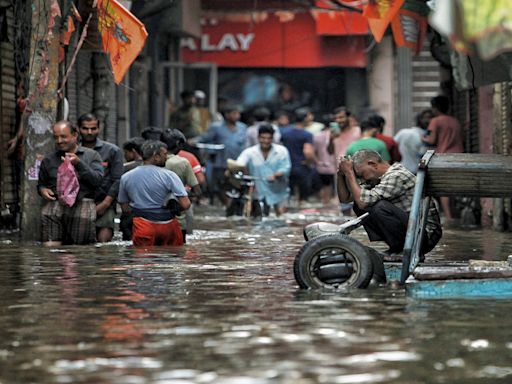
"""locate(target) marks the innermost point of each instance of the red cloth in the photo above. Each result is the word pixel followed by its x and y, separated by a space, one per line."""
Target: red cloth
pixel 148 233
pixel 392 147
pixel 448 134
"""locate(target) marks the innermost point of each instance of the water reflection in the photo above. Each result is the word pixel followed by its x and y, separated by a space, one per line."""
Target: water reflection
pixel 225 309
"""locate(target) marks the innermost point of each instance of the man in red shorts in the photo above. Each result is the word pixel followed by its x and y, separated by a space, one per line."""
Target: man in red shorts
pixel 145 192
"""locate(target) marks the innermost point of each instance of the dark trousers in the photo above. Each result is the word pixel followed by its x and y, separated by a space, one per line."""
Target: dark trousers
pixel 385 223
pixel 300 177
pixel 125 225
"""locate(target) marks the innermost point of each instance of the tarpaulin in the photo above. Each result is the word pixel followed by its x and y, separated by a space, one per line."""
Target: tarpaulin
pixel 480 27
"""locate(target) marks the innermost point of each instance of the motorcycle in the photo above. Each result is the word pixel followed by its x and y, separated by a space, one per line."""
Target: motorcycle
pixel 240 191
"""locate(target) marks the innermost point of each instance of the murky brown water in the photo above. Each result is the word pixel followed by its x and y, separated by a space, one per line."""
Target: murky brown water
pixel 226 309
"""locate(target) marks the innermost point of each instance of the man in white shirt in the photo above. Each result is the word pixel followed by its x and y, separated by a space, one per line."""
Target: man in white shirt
pixel 409 141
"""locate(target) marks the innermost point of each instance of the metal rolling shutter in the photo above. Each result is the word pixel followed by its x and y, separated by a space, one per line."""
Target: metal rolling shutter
pixel 8 189
pixel 465 109
pixel 426 79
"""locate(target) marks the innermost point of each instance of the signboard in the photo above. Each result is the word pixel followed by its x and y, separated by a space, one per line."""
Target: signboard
pixel 288 40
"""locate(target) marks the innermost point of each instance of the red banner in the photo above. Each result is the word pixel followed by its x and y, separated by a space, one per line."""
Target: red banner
pixel 335 22
pixel 272 40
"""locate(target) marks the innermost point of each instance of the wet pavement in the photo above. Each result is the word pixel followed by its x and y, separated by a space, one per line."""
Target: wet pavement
pixel 226 309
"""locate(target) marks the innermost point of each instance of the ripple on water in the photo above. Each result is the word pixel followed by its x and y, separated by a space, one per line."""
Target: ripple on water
pixel 367 377
pixel 491 371
pixel 93 364
pixel 226 309
pixel 382 356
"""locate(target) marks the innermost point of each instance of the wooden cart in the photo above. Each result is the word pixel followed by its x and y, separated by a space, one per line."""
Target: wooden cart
pixel 455 174
pixel 331 259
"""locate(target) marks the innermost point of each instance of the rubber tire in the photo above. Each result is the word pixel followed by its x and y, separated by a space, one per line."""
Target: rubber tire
pixel 379 273
pixel 316 256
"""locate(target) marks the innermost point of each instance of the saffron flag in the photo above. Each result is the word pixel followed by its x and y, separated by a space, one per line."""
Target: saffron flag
pixel 379 14
pixel 122 34
pixel 410 24
pixel 409 29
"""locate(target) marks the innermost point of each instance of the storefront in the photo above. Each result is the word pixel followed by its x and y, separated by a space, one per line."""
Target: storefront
pixel 317 58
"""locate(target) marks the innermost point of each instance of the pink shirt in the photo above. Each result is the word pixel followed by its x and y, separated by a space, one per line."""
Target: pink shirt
pixel 346 138
pixel 326 163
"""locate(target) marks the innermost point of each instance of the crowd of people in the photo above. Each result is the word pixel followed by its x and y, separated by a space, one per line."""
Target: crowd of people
pixel 155 178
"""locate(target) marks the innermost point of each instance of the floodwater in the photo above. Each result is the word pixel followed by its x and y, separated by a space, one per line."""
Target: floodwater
pixel 226 309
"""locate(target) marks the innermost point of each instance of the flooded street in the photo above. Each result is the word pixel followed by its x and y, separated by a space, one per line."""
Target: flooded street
pixel 226 309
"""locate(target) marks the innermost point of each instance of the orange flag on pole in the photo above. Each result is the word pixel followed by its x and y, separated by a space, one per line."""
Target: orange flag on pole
pixel 122 34
pixel 409 29
pixel 379 14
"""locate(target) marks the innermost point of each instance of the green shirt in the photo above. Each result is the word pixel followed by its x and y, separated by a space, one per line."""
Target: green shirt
pixel 369 143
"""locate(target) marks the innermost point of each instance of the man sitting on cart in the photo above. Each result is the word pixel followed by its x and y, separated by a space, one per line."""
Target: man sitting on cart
pixel 385 191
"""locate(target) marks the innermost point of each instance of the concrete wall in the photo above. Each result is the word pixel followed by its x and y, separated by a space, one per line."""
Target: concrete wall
pixel 381 82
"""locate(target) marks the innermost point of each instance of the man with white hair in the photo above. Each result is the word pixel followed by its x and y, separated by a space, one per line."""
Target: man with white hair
pixel 385 191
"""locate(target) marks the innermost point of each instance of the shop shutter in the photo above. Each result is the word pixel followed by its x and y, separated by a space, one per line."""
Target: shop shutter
pixel 8 189
pixel 426 78
pixel 472 135
pixel 465 109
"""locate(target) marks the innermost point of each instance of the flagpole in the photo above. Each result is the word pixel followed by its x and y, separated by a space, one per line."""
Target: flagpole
pixel 77 49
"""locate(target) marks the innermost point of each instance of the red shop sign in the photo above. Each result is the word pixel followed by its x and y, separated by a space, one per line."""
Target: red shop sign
pixel 231 41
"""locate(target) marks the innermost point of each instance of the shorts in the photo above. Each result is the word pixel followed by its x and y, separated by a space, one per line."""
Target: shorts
pixel 147 233
pixel 107 219
pixel 69 225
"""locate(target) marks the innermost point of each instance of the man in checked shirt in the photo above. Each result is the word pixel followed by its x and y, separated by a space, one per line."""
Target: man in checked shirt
pixel 385 191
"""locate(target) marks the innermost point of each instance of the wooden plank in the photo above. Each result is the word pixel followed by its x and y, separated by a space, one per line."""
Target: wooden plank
pixel 497 271
pixel 472 175
pixel 442 289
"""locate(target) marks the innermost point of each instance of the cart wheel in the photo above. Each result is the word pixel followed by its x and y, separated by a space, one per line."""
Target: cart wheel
pixel 379 274
pixel 333 261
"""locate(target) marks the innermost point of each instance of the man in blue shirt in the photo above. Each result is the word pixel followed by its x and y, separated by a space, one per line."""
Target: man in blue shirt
pixel 144 192
pixel 299 143
pixel 232 134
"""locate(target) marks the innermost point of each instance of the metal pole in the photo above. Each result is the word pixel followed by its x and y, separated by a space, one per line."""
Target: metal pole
pixel 414 216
